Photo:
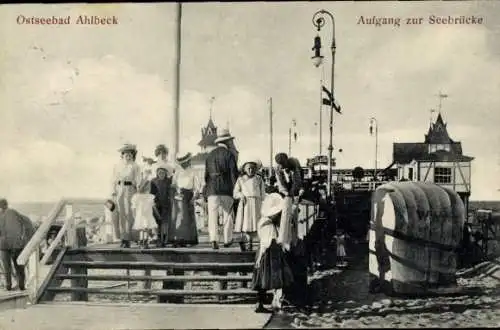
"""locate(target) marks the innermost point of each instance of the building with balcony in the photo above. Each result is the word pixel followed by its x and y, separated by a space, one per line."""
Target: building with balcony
pixel 439 159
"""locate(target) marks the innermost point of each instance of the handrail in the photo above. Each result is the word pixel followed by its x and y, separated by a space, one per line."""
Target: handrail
pixel 40 233
pixel 54 244
pixel 44 228
pixel 31 252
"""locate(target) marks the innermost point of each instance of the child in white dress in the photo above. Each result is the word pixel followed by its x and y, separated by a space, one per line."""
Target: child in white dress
pixel 143 207
pixel 250 189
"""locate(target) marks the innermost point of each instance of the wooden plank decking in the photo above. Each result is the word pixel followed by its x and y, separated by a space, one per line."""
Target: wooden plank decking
pixel 92 316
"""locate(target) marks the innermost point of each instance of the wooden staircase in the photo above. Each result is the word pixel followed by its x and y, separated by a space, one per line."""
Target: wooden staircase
pixel 174 275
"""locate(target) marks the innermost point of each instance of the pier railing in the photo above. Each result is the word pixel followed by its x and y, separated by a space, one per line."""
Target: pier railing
pixel 67 236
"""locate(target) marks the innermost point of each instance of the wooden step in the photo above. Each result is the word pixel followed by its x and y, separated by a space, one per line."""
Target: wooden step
pixel 174 278
pixel 177 255
pixel 156 292
pixel 214 266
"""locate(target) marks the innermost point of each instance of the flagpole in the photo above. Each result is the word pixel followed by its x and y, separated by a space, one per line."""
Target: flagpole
pixel 176 93
pixel 270 137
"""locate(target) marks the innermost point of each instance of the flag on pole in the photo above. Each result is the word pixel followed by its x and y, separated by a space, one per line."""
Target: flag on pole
pixel 295 136
pixel 329 100
pixel 443 96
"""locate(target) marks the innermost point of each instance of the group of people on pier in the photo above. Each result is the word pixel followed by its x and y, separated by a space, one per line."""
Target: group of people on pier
pixel 162 195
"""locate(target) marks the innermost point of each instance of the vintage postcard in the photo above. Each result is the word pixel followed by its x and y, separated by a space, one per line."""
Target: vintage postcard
pixel 250 164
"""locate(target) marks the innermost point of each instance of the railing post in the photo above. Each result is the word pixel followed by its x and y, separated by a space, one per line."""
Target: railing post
pixel 34 275
pixel 71 231
pixel 76 238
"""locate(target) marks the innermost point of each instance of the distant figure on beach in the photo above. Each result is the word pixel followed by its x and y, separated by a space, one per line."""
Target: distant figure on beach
pixel 15 232
pixel 187 189
pixel 161 189
pixel 126 179
pixel 221 173
pixel 341 242
pixel 250 190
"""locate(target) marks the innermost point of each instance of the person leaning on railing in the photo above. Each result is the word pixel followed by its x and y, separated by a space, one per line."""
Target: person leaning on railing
pixel 15 232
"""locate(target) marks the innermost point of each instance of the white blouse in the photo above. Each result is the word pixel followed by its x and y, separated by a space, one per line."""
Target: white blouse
pixel 186 179
pixel 127 172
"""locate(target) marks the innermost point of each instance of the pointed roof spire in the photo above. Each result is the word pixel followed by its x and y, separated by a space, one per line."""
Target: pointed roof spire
pixel 212 99
pixel 438 134
pixel 440 121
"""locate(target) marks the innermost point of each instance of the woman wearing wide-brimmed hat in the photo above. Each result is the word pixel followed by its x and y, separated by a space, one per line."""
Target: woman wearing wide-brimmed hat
pixel 183 230
pixel 126 179
pixel 249 191
pixel 272 271
pixel 161 154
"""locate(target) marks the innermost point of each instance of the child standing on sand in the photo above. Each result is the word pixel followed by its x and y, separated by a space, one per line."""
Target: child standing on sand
pixel 341 253
pixel 143 206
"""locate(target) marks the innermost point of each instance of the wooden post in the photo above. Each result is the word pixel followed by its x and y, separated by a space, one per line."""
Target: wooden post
pixel 147 283
pixel 221 285
pixel 76 237
pixel 172 285
pixel 33 274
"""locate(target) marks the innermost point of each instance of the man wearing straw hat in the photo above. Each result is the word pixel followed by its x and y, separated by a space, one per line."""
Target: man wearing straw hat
pixel 221 173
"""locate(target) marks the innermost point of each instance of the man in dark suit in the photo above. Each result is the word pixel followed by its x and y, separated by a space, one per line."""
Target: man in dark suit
pixel 15 232
pixel 221 173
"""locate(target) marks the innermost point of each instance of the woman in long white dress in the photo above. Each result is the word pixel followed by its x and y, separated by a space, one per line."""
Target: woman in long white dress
pixel 250 190
pixel 126 178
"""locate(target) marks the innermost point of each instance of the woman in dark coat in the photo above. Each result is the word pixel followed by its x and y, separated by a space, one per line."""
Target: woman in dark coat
pixel 160 188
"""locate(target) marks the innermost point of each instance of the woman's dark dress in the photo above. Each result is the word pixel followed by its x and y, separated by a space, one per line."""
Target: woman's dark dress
pixel 163 201
pixel 183 230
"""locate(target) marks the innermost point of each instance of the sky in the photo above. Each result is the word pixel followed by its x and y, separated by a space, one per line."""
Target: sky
pixel 66 109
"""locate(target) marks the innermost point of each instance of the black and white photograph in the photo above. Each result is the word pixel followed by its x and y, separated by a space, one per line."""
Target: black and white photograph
pixel 250 165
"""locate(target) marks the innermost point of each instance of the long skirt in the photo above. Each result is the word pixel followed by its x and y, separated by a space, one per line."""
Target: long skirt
pixel 297 292
pixel 163 222
pixel 248 215
pixel 183 229
pixel 273 271
pixel 124 209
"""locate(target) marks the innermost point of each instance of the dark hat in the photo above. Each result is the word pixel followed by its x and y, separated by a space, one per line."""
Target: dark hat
pixel 281 158
pixel 184 158
pixel 128 148
pixel 161 148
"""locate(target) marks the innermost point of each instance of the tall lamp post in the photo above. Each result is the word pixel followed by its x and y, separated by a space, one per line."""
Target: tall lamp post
pixel 319 21
pixel 374 126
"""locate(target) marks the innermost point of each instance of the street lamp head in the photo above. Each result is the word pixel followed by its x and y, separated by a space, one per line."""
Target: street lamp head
pixel 317 58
